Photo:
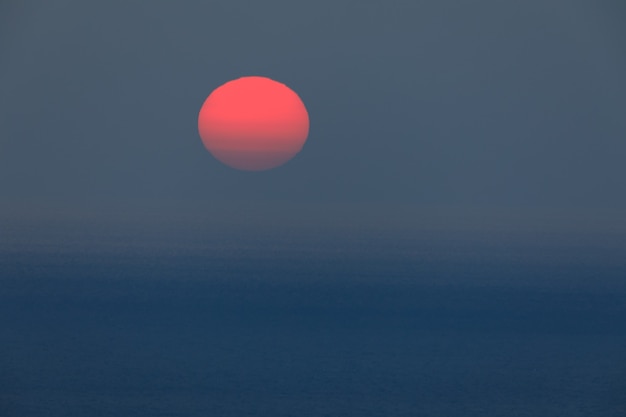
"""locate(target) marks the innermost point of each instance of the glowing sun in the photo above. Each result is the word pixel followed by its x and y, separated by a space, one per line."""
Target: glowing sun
pixel 253 123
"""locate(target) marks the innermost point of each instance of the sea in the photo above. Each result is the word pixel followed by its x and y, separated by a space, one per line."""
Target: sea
pixel 127 323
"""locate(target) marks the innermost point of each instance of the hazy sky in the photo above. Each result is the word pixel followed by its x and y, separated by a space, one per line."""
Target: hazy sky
pixel 440 102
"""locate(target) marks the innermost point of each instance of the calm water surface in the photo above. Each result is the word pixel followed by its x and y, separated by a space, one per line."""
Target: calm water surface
pixel 415 329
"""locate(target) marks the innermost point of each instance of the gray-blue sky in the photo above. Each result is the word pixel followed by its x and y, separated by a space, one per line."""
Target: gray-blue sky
pixel 488 103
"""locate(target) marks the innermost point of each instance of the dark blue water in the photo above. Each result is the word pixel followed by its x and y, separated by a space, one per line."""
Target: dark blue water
pixel 314 330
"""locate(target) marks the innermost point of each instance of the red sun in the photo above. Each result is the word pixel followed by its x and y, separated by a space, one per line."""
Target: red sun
pixel 253 123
